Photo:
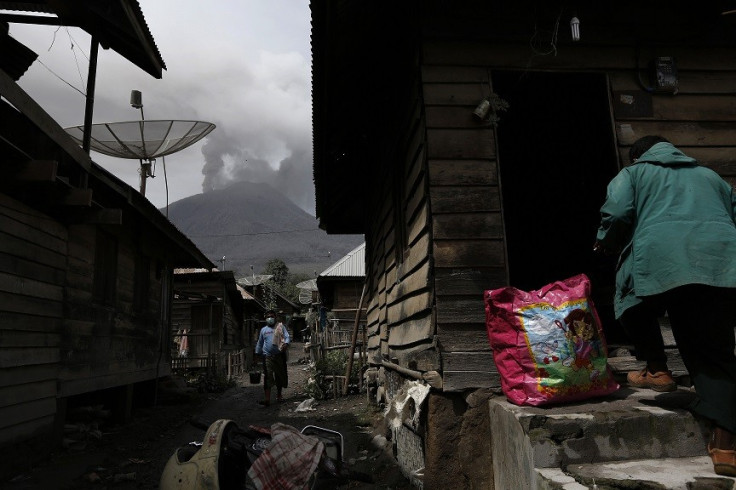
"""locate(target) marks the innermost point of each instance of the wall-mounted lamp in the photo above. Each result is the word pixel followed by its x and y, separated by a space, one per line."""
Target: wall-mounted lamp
pixel 575 28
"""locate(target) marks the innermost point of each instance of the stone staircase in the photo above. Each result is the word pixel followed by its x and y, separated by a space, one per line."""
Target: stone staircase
pixel 631 439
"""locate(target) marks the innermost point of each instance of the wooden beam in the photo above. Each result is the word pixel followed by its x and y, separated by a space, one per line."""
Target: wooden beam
pixel 432 378
pixel 354 340
pixel 38 171
pixel 104 216
pixel 35 113
pixel 31 171
pixel 77 197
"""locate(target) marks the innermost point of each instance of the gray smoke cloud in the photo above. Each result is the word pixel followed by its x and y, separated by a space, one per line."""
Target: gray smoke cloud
pixel 230 159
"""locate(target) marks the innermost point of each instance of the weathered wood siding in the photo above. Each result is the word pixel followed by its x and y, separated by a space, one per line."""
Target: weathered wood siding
pixel 467 223
pixel 229 332
pixel 464 188
pixel 32 264
pixel 400 296
pixel 346 300
pixel 226 333
pixel 113 343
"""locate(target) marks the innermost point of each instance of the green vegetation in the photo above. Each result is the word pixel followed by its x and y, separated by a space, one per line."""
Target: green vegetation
pixel 282 281
pixel 334 363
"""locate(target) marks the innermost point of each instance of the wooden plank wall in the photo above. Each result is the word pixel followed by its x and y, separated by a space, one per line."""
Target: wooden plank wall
pixel 32 264
pixel 108 346
pixel 400 324
pixel 347 294
pixel 467 222
pixel 230 334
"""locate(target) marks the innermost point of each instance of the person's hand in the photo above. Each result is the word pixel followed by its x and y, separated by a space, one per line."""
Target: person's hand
pixel 597 247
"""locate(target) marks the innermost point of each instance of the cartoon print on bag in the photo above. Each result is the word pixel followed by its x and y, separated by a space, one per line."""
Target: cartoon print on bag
pixel 580 333
pixel 547 351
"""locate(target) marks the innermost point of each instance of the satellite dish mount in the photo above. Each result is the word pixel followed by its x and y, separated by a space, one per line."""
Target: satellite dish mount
pixel 148 166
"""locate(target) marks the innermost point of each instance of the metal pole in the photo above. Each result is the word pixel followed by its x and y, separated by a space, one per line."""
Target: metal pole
pixel 145 170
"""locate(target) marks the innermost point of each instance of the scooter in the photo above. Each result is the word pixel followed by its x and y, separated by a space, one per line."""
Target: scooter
pixel 222 460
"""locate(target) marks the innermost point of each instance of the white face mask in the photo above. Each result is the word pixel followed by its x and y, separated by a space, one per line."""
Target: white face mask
pixel 270 321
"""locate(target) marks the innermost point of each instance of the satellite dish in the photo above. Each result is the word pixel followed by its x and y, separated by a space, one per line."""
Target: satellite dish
pixel 310 284
pixel 305 296
pixel 255 280
pixel 143 140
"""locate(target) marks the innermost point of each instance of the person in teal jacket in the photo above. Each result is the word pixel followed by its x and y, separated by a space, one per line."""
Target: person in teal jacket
pixel 673 224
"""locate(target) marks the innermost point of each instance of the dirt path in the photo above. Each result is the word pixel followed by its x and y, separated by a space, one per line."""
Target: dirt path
pixel 132 456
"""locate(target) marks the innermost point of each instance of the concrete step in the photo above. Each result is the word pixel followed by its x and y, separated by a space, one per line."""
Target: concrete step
pixel 694 473
pixel 635 427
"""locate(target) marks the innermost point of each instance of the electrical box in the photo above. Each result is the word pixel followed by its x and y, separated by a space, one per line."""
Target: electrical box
pixel 665 75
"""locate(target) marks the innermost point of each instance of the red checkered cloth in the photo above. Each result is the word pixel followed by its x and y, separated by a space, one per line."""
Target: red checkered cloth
pixel 289 460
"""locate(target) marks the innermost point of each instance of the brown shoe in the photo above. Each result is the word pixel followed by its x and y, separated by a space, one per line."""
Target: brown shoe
pixel 660 381
pixel 724 461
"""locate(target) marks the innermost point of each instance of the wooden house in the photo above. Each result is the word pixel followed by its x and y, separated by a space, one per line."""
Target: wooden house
pixel 86 262
pixel 340 286
pixel 207 320
pixel 341 292
pixel 472 142
pixel 253 311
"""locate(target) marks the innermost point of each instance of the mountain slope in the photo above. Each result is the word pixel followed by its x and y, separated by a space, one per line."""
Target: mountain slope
pixel 249 224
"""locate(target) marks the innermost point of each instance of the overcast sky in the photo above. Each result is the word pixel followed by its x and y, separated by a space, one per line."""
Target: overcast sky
pixel 243 65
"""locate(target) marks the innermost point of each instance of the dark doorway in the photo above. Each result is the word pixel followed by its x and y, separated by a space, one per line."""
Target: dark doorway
pixel 556 156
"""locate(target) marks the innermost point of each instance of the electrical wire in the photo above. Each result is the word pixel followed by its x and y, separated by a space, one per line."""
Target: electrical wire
pixel 59 77
pixel 76 61
pixel 53 41
pixel 552 41
pixel 166 183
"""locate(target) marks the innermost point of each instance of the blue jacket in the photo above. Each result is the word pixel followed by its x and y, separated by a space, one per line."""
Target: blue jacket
pixel 674 223
pixel 265 343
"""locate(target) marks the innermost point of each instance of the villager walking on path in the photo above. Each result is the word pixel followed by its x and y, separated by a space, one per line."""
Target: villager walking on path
pixel 273 341
pixel 673 222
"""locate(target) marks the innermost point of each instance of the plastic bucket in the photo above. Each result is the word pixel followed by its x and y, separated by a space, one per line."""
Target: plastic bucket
pixel 255 377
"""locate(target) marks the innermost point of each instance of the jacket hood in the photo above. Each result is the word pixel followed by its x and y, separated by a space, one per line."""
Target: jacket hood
pixel 666 154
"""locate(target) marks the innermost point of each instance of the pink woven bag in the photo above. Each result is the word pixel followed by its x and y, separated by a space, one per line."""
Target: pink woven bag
pixel 548 345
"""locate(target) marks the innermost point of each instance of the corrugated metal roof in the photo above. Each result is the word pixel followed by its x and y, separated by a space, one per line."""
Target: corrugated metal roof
pixel 245 294
pixel 352 265
pixel 116 24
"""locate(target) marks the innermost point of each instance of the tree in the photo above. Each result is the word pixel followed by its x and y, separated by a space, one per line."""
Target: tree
pixel 279 270
pixel 283 281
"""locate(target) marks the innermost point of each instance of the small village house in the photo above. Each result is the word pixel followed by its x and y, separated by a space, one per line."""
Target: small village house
pixel 86 262
pixel 341 286
pixel 207 323
pixel 472 142
pixel 341 293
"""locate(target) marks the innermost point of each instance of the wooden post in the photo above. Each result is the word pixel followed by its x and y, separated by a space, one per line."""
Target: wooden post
pixel 90 98
pixel 353 341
